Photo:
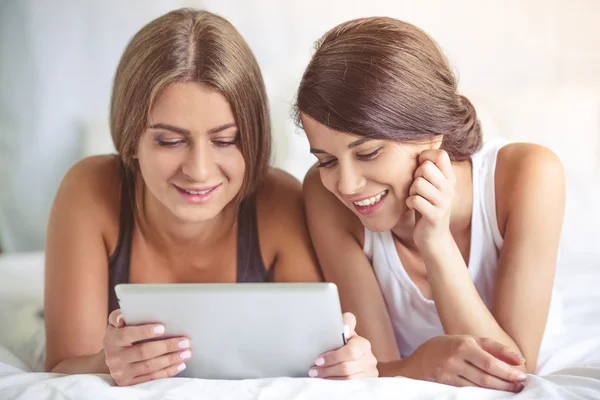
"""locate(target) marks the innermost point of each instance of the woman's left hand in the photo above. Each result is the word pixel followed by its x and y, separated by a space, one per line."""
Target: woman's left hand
pixel 431 196
pixel 353 361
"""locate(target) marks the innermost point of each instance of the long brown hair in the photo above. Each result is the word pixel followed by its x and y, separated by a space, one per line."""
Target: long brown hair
pixel 387 79
pixel 192 46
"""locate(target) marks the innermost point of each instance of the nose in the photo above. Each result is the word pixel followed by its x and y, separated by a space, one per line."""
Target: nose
pixel 350 180
pixel 198 163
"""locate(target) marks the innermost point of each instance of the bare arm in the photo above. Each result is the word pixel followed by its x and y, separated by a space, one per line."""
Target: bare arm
pixel 530 199
pixel 282 210
pixel 76 278
pixel 334 231
pixel 283 225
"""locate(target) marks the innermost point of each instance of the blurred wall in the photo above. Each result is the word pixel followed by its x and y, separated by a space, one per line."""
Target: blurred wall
pixel 57 60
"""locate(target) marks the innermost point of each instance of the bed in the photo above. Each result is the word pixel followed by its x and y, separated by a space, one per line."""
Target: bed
pixel 573 371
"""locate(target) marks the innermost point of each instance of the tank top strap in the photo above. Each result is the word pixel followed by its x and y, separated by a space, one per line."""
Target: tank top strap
pixel 118 262
pixel 484 188
pixel 250 264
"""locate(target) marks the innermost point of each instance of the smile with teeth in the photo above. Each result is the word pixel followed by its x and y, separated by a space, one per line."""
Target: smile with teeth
pixel 371 200
pixel 197 192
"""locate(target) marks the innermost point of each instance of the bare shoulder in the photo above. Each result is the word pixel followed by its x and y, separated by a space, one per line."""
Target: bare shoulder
pixel 91 189
pixel 518 163
pixel 524 171
pixel 322 205
pixel 280 183
pixel 279 195
pixel 96 179
pixel 284 239
pixel 515 156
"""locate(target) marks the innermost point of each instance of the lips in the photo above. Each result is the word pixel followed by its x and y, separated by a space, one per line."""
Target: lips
pixel 197 195
pixel 369 205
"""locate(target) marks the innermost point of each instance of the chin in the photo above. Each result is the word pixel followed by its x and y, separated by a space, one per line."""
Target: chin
pixel 378 224
pixel 184 214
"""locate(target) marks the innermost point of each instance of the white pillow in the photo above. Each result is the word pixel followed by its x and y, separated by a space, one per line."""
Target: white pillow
pixel 21 304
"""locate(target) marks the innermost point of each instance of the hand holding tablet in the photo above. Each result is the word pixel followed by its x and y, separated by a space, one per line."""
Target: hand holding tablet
pixel 240 331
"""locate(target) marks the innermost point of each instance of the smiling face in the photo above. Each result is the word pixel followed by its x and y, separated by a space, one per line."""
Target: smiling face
pixel 371 177
pixel 189 155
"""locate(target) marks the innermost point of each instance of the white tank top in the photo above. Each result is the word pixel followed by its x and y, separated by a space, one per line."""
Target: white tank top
pixel 414 318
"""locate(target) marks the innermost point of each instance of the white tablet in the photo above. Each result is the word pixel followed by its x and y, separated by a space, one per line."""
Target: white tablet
pixel 242 330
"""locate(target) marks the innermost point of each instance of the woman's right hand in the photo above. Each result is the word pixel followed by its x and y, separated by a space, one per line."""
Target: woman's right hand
pixel 464 360
pixel 131 363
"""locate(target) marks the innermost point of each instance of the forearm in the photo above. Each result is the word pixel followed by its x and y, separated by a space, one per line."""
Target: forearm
pixel 407 367
pixel 459 305
pixel 92 364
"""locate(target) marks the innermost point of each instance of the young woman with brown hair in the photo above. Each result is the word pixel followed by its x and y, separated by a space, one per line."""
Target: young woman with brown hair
pixel 444 247
pixel 189 198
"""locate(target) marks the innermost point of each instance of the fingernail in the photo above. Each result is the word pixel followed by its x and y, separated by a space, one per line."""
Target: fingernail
pixel 313 373
pixel 320 361
pixel 158 330
pixel 184 355
pixel 181 367
pixel 522 378
pixel 346 332
pixel 119 319
pixel 183 344
pixel 519 357
pixel 519 388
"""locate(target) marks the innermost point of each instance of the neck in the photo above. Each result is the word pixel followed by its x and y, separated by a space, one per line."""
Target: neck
pixel 163 230
pixel 462 206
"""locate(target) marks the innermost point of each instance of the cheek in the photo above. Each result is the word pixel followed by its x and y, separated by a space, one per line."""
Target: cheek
pixel 156 165
pixel 232 164
pixel 327 179
pixel 398 173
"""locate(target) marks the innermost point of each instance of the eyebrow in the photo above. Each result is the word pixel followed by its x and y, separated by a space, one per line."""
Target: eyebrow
pixel 182 131
pixel 221 128
pixel 359 142
pixel 170 128
pixel 350 146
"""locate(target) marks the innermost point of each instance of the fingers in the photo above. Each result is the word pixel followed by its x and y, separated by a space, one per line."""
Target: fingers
pixel 356 347
pixel 427 210
pixel 458 381
pixel 502 352
pixel 425 189
pixel 432 191
pixel 116 319
pixel 483 379
pixel 149 366
pixel 168 372
pixel 341 370
pixel 128 335
pixel 352 360
pixel 431 173
pixel 441 159
pixel 150 350
pixel 365 367
pixel 349 325
pixel 493 366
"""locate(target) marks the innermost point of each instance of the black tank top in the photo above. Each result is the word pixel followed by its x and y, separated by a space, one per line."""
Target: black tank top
pixel 250 265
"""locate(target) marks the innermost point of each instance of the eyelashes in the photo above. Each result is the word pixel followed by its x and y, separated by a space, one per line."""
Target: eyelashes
pixel 175 143
pixel 361 157
pixel 168 143
pixel 369 156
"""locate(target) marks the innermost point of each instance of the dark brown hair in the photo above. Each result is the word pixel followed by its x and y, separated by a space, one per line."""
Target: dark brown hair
pixel 192 46
pixel 387 79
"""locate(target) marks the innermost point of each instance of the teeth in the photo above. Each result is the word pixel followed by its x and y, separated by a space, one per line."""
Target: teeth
pixel 370 201
pixel 196 192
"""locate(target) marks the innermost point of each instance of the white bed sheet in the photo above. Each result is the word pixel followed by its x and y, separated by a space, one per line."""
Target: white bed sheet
pixel 572 372
pixel 15 384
